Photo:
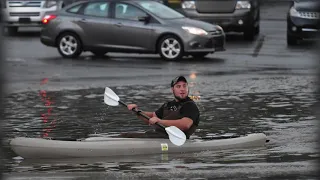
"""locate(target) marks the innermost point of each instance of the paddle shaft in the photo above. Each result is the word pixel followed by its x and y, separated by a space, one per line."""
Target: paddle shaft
pixel 176 136
pixel 141 114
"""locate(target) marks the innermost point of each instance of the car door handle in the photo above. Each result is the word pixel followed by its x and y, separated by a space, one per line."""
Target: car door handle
pixel 118 24
pixel 82 20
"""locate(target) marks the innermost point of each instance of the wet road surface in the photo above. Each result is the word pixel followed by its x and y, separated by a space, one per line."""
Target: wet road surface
pixel 26 67
pixel 259 86
pixel 284 116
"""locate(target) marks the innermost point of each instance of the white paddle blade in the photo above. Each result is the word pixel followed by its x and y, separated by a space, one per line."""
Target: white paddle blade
pixel 176 136
pixel 110 97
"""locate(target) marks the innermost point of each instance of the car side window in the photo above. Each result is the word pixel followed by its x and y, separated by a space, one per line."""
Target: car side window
pixel 127 11
pixel 100 9
pixel 74 9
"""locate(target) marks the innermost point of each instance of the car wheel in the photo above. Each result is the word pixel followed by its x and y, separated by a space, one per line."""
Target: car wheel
pixel 199 55
pixel 3 31
pixel 291 40
pixel 249 33
pixel 170 48
pixel 99 53
pixel 257 29
pixel 12 30
pixel 69 45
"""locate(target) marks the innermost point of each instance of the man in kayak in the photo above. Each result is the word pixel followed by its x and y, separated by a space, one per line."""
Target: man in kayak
pixel 181 112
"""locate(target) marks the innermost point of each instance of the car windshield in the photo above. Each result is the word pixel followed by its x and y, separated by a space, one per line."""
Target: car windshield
pixel 160 10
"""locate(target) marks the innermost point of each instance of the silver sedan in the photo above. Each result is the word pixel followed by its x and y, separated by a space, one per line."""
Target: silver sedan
pixel 129 26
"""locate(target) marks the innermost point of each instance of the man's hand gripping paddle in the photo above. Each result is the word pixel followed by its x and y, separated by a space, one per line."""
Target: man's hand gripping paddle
pixel 176 136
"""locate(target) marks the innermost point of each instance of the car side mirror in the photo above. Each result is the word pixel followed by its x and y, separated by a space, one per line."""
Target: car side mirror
pixel 145 18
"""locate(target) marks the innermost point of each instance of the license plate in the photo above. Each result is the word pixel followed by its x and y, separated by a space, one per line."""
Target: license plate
pixel 24 20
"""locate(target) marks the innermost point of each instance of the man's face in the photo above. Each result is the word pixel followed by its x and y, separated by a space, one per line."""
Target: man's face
pixel 180 90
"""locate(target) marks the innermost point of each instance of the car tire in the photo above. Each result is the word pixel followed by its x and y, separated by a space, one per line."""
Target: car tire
pixel 249 33
pixel 257 29
pixel 170 48
pixel 12 30
pixel 291 40
pixel 98 53
pixel 73 48
pixel 3 31
pixel 200 55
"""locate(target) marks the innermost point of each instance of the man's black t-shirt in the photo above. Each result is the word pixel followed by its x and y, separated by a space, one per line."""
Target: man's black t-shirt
pixel 189 109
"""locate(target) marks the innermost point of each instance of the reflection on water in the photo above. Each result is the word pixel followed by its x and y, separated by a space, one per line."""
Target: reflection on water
pixel 285 117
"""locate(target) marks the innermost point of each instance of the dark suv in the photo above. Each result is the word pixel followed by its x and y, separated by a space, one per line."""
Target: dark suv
pixel 303 21
pixel 231 15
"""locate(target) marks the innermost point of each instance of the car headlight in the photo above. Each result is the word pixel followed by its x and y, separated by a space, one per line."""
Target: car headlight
pixel 306 15
pixel 243 5
pixel 50 3
pixel 294 12
pixel 188 5
pixel 194 30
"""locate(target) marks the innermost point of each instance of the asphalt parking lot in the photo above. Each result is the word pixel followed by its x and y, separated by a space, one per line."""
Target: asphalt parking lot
pixel 262 86
pixel 28 60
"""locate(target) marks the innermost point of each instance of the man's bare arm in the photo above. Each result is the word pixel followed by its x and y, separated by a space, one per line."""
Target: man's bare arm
pixel 183 123
pixel 149 114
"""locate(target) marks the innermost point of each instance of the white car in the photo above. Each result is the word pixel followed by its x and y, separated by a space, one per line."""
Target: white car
pixel 26 13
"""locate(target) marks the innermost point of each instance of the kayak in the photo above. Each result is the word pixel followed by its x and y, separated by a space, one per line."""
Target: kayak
pixel 35 148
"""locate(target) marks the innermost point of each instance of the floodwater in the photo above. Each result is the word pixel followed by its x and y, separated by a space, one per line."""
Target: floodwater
pixel 279 106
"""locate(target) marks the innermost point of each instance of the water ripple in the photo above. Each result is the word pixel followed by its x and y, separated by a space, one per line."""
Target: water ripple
pixel 284 116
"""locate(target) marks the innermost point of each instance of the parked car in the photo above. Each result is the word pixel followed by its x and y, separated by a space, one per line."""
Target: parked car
pixel 231 15
pixel 303 21
pixel 130 26
pixel 22 13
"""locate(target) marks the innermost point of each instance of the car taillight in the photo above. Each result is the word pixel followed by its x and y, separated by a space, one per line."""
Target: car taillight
pixel 47 18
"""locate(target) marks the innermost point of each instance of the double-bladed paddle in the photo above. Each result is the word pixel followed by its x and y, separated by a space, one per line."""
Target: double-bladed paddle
pixel 176 136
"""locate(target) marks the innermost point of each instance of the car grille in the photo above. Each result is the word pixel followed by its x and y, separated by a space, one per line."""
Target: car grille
pixel 24 14
pixel 215 6
pixel 219 41
pixel 310 15
pixel 215 42
pixel 209 44
pixel 24 3
pixel 215 33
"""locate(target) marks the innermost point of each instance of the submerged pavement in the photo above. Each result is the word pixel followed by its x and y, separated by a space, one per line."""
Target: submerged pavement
pixel 259 86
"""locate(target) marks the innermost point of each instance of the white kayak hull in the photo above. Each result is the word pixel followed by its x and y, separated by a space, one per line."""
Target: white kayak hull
pixel 35 148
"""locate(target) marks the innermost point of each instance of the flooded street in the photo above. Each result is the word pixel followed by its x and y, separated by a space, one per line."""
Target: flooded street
pixel 261 86
pixel 279 106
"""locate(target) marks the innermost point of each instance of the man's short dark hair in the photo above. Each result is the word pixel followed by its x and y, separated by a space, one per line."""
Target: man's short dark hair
pixel 177 79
